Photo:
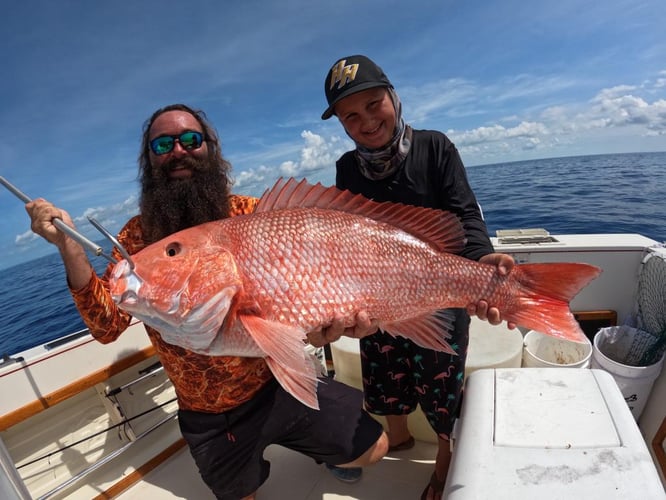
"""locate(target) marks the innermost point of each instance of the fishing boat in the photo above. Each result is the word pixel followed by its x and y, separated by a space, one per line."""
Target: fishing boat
pixel 81 420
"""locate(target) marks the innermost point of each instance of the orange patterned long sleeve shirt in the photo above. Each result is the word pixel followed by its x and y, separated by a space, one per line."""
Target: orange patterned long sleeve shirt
pixel 211 384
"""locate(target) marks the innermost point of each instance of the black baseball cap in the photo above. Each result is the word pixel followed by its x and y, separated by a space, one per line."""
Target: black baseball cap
pixel 350 75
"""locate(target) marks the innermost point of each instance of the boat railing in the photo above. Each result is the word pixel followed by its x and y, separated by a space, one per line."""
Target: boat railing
pixel 107 458
pixel 7 360
pixel 67 338
pixel 150 371
pixel 12 486
pixel 124 395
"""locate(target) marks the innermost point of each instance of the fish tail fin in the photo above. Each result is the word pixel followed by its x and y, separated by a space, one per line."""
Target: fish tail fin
pixel 286 357
pixel 545 291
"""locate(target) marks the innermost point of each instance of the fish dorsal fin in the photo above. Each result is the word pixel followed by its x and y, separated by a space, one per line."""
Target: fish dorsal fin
pixel 442 230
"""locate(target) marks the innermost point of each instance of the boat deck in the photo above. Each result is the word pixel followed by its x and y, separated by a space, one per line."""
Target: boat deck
pixel 402 474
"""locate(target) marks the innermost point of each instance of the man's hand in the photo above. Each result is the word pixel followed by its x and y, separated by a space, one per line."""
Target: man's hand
pixel 482 309
pixel 78 268
pixel 364 326
pixel 41 214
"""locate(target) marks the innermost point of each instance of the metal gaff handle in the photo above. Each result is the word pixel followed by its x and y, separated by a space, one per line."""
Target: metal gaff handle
pixel 76 236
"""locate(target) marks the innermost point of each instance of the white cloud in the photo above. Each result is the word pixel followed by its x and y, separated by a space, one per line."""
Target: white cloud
pixel 494 133
pixel 626 110
pixel 317 153
pixel 25 238
pixel 622 107
pixel 317 156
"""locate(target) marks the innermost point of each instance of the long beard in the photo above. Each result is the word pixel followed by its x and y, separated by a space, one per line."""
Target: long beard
pixel 169 205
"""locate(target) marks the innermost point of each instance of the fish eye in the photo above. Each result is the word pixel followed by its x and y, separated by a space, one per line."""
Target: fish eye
pixel 172 249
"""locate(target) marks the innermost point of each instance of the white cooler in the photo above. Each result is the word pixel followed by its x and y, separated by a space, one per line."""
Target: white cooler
pixel 548 433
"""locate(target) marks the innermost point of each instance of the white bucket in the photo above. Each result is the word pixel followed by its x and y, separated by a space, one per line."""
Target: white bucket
pixel 492 346
pixel 541 350
pixel 635 382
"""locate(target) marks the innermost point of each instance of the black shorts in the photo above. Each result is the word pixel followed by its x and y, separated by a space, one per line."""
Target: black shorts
pixel 228 447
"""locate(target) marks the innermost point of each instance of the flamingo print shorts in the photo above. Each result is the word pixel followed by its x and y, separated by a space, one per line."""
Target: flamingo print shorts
pixel 398 375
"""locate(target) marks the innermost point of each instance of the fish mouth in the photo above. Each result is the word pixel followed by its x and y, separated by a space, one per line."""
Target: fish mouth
pixel 128 297
pixel 125 285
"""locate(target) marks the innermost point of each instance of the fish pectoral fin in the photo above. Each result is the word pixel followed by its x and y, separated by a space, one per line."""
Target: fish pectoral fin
pixel 284 343
pixel 286 357
pixel 303 386
pixel 430 331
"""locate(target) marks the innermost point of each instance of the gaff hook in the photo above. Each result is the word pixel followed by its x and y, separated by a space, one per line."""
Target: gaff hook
pixel 113 240
pixel 76 236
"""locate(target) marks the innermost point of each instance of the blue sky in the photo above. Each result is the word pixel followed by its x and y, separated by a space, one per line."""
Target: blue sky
pixel 506 80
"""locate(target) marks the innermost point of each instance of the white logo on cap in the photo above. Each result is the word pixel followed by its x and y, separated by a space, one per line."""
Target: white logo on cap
pixel 342 74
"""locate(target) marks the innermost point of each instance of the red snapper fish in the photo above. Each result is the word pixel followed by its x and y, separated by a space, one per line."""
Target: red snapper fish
pixel 254 285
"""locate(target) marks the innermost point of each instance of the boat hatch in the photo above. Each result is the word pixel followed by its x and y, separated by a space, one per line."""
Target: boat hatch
pixel 524 236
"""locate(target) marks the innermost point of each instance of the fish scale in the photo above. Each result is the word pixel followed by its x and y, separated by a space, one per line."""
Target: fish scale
pixel 351 272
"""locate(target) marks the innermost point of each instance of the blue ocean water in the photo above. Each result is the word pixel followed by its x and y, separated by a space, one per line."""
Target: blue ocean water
pixel 618 193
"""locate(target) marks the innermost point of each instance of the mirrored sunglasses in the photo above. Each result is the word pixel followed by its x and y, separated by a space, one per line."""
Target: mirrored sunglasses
pixel 165 143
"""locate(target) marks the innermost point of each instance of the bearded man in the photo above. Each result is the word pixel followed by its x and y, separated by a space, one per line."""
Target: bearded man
pixel 230 408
